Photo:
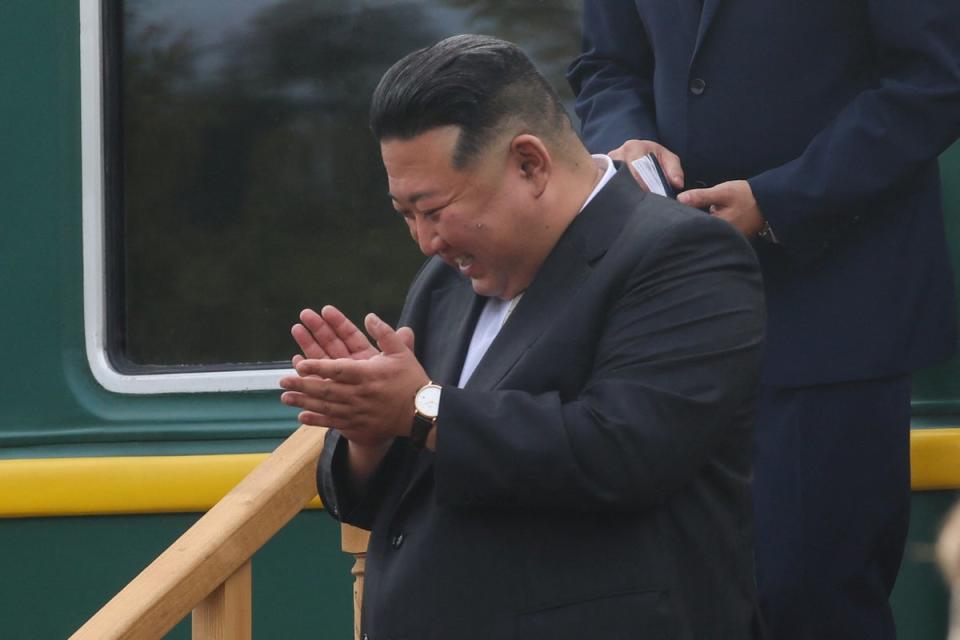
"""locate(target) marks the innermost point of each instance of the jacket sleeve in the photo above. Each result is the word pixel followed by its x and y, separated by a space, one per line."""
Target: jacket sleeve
pixel 613 77
pixel 671 386
pixel 887 137
pixel 333 482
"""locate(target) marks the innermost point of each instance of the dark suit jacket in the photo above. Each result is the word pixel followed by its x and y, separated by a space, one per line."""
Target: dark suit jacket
pixel 592 478
pixel 836 112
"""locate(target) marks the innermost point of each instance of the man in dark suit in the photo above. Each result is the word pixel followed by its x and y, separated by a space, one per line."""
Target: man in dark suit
pixel 813 127
pixel 556 444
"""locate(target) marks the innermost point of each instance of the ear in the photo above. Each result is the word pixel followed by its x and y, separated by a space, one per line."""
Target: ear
pixel 532 159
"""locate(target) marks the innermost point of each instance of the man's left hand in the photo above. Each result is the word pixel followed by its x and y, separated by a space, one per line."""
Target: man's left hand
pixel 367 400
pixel 733 201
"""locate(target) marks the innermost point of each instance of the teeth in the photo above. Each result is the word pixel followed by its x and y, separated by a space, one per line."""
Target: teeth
pixel 464 261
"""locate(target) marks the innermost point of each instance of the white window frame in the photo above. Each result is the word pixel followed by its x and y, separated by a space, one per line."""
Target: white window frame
pixel 94 246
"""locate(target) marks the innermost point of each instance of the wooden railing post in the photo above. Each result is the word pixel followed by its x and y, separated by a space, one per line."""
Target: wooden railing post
pixel 208 569
pixel 355 540
pixel 214 549
pixel 227 613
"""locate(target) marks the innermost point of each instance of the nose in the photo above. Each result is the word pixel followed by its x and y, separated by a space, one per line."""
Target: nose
pixel 427 237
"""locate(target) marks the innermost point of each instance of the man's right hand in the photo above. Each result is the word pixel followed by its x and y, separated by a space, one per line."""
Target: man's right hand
pixel 669 161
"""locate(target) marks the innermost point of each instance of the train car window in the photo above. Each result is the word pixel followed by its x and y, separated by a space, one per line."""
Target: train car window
pixel 240 182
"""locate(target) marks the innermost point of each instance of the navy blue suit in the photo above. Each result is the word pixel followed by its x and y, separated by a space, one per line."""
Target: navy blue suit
pixel 835 112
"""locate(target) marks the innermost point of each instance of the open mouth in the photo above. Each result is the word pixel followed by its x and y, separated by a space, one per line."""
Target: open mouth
pixel 463 263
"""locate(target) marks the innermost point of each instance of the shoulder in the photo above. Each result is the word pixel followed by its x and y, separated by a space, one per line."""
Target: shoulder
pixel 657 226
pixel 625 214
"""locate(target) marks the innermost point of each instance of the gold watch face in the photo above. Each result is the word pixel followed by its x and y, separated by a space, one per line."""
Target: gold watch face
pixel 427 401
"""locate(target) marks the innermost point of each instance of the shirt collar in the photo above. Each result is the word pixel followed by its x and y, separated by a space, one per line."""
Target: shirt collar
pixel 605 160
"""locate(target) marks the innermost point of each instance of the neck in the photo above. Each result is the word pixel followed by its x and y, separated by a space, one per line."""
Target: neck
pixel 571 183
pixel 578 182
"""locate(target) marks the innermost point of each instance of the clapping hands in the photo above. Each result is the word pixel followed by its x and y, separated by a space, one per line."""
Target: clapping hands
pixel 345 382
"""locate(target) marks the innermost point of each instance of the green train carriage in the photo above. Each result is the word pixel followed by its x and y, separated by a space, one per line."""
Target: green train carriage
pixel 177 180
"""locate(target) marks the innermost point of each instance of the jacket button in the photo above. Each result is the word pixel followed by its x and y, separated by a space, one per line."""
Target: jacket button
pixel 397 540
pixel 697 86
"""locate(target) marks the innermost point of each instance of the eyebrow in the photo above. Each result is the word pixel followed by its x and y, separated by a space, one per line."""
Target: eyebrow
pixel 414 197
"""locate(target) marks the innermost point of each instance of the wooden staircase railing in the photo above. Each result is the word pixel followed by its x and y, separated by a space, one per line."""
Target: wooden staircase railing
pixel 208 569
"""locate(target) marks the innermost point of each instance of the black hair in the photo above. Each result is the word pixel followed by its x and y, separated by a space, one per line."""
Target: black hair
pixel 477 83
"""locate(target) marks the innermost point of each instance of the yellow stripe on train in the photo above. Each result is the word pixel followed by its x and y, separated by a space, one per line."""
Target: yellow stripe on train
pixel 935 459
pixel 115 485
pixel 192 484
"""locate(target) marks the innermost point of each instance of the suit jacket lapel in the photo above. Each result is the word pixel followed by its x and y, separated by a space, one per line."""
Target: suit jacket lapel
pixel 453 315
pixel 690 12
pixel 707 14
pixel 557 282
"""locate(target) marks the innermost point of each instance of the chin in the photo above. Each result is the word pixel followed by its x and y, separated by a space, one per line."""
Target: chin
pixel 486 289
pixel 489 290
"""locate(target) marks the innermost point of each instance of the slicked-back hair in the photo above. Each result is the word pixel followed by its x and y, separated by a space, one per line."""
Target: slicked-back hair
pixel 480 84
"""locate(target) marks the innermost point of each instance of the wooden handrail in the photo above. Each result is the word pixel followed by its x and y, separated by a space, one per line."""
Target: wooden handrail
pixel 214 549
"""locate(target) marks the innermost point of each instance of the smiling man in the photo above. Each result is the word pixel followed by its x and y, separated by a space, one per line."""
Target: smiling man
pixel 556 443
pixel 480 221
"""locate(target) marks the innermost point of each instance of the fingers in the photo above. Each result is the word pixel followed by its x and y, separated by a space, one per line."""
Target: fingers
pixel 670 163
pixel 725 194
pixel 321 388
pixel 329 334
pixel 326 408
pixel 618 154
pixel 356 436
pixel 387 339
pixel 406 334
pixel 325 402
pixel 326 397
pixel 347 332
pixel 316 419
pixel 633 149
pixel 305 337
pixel 701 198
pixel 318 337
pixel 731 201
pixel 341 370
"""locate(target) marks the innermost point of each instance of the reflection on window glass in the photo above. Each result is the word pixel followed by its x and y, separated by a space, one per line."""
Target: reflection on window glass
pixel 245 184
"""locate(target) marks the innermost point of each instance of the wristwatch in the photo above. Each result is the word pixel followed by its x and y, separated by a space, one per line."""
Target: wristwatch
pixel 426 405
